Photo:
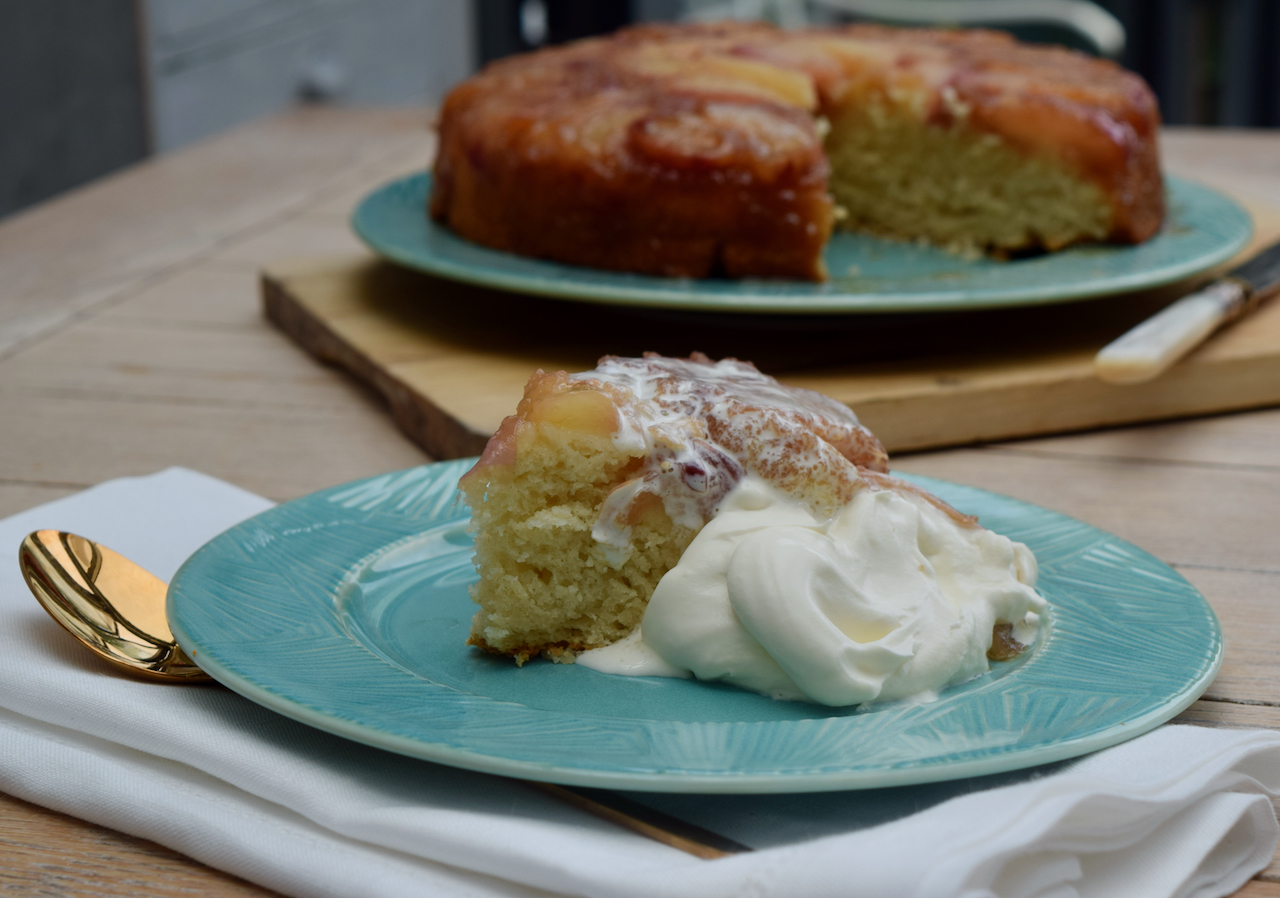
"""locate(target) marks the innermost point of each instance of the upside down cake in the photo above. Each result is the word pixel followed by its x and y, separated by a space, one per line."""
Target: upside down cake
pixel 733 149
pixel 600 499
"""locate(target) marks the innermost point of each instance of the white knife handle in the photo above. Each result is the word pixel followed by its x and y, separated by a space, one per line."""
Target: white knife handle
pixel 1162 339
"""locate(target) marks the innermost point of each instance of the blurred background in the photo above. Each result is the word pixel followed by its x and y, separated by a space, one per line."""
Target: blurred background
pixel 95 86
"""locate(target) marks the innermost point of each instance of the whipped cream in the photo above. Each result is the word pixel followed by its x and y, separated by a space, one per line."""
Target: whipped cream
pixel 890 598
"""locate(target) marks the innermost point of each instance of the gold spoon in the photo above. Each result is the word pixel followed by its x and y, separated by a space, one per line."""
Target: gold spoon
pixel 117 609
pixel 113 606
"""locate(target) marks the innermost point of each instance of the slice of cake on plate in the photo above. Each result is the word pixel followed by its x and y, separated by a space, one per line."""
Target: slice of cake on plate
pixel 752 529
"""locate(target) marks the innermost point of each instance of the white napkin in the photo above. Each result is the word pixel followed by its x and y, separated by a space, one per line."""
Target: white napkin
pixel 1182 811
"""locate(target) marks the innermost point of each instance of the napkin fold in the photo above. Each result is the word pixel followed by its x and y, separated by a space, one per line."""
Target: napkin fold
pixel 1181 811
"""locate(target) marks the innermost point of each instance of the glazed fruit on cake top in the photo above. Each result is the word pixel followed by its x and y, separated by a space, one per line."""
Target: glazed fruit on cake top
pixel 734 149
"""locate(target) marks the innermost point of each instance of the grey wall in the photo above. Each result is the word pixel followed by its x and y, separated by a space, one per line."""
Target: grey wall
pixel 71 97
pixel 88 86
pixel 216 64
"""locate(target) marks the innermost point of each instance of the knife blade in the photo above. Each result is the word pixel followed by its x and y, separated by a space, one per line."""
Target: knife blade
pixel 1151 347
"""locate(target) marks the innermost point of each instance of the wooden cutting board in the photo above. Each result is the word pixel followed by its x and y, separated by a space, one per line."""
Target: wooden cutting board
pixel 452 359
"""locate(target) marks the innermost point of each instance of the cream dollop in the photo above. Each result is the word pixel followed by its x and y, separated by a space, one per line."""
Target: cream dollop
pixel 890 598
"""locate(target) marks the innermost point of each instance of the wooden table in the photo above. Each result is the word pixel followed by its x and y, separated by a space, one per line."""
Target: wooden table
pixel 131 339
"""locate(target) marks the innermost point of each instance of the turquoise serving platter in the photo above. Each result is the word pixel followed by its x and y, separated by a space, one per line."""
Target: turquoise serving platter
pixel 348 610
pixel 868 275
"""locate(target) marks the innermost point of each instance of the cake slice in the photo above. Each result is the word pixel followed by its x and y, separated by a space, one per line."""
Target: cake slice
pixel 591 492
pixel 683 517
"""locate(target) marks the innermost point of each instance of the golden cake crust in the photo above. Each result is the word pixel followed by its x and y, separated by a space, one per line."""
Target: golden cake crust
pixel 696 150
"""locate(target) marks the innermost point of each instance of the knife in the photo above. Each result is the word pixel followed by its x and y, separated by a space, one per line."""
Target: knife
pixel 1155 344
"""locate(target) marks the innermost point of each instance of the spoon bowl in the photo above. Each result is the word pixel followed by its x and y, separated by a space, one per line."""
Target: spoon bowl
pixel 112 605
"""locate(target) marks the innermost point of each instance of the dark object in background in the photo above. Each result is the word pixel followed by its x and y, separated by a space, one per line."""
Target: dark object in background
pixel 1210 62
pixel 513 26
pixel 73 106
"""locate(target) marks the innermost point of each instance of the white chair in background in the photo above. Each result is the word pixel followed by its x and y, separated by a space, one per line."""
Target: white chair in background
pixel 1094 25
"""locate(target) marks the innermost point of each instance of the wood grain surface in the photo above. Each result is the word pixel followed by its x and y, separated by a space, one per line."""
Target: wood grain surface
pixel 92 864
pixel 921 381
pixel 131 339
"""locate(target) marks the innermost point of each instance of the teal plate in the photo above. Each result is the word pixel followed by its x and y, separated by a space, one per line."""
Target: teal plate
pixel 868 275
pixel 348 610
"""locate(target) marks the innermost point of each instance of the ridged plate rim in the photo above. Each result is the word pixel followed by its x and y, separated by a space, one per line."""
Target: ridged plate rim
pixel 260 608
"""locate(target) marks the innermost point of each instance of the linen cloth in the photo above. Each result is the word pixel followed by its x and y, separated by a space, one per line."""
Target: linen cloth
pixel 1181 811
